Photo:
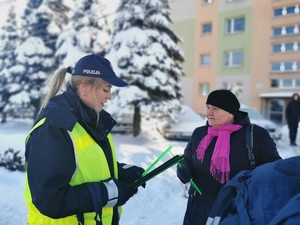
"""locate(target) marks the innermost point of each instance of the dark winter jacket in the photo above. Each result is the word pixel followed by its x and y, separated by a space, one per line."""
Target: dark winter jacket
pixel 292 111
pixel 50 146
pixel 264 149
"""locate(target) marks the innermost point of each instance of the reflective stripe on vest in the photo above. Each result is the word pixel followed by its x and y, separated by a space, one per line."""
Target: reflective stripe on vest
pixel 91 166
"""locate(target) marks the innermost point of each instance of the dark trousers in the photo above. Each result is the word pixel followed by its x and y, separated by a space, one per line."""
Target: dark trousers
pixel 293 127
pixel 198 208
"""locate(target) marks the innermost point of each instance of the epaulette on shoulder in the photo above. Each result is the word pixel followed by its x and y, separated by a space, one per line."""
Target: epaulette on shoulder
pixel 61 117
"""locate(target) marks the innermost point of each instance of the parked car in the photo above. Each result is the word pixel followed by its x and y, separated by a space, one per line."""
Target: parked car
pixel 188 120
pixel 124 119
pixel 124 124
pixel 259 119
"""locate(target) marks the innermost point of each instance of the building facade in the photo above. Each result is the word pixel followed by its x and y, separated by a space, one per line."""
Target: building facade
pixel 183 16
pixel 249 46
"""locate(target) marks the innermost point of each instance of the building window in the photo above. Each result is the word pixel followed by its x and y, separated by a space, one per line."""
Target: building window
pixel 285 83
pixel 277 12
pixel 289 47
pixel 288 66
pixel 204 89
pixel 285 66
pixel 282 31
pixel 205 60
pixel 277 48
pixel 276 112
pixel 277 31
pixel 286 47
pixel 235 87
pixel 206 28
pixel 208 1
pixel 235 25
pixel 286 11
pixel 234 58
pixel 274 83
pixel 275 67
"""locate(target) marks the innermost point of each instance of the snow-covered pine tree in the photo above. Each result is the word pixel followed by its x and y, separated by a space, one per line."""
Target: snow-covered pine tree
pixel 91 26
pixel 36 63
pixel 144 52
pixel 88 32
pixel 36 52
pixel 9 40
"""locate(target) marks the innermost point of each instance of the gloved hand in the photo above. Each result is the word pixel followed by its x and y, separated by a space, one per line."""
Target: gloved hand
pixel 184 173
pixel 116 193
pixel 129 174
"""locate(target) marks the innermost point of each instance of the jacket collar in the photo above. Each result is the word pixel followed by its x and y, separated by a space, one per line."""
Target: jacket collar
pixel 87 116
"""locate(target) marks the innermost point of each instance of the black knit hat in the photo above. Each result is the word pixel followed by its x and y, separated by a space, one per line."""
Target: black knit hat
pixel 224 99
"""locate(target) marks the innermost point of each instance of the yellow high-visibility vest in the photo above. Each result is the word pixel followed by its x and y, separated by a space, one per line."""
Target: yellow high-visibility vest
pixel 91 166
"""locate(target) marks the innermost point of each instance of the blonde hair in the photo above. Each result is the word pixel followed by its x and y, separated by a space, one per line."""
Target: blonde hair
pixel 57 81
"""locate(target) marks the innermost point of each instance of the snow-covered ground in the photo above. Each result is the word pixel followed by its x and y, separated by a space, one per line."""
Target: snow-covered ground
pixel 161 202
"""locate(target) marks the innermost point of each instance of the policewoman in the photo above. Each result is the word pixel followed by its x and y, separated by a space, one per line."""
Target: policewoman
pixel 73 176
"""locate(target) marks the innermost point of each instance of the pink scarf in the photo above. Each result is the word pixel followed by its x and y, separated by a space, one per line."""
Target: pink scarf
pixel 219 166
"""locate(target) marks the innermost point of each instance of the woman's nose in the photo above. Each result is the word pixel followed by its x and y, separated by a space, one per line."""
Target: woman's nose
pixel 209 111
pixel 108 96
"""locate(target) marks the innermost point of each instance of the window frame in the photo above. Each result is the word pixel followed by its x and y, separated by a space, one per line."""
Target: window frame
pixel 204 88
pixel 286 11
pixel 202 59
pixel 207 1
pixel 285 67
pixel 229 63
pixel 231 25
pixel 203 28
pixel 286 30
pixel 286 47
pixel 279 83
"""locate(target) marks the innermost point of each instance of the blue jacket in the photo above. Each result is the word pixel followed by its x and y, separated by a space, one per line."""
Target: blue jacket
pixel 270 195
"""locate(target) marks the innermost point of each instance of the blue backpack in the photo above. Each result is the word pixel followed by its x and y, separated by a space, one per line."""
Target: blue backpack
pixel 267 195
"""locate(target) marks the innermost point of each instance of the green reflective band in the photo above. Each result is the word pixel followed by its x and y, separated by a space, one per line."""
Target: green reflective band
pixel 157 160
pixel 195 186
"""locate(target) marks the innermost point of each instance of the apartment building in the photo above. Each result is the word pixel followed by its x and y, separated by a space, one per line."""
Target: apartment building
pixel 184 16
pixel 249 46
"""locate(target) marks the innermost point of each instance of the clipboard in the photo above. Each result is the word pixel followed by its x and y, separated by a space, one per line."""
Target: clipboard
pixel 174 160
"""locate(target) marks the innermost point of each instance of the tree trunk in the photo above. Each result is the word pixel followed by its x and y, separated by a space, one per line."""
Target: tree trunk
pixel 36 106
pixel 4 116
pixel 136 121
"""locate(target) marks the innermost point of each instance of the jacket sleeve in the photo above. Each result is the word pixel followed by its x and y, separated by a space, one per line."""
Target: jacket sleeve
pixel 50 167
pixel 188 155
pixel 264 147
pixel 189 150
pixel 287 111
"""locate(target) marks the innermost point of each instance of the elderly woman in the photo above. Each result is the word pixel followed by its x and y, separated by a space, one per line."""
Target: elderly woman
pixel 217 151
